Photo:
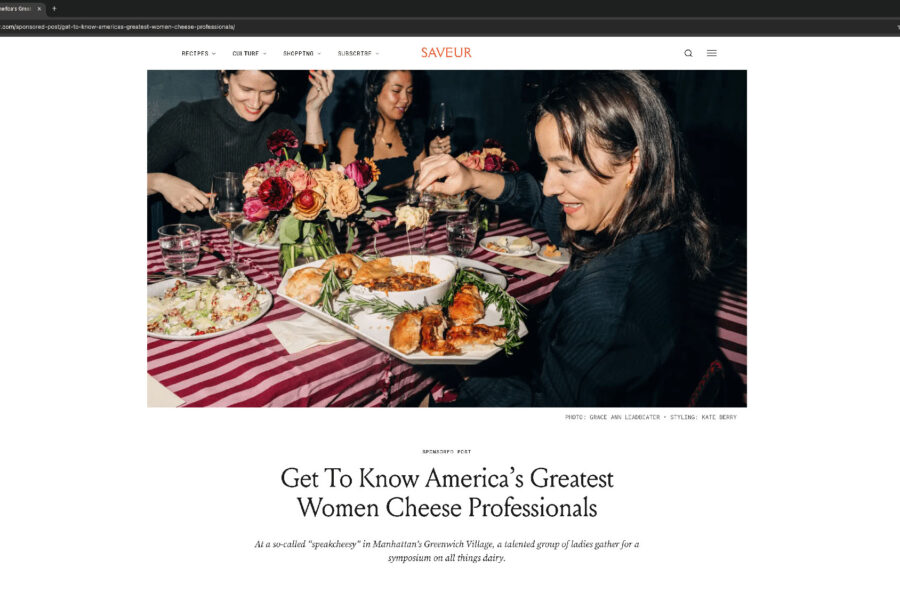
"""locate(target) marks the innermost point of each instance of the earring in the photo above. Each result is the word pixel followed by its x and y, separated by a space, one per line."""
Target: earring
pixel 628 184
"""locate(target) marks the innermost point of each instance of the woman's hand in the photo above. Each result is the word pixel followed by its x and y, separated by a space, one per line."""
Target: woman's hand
pixel 439 145
pixel 182 195
pixel 456 178
pixel 321 85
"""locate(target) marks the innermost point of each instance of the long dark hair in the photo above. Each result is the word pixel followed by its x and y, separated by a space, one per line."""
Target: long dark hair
pixel 620 111
pixel 364 136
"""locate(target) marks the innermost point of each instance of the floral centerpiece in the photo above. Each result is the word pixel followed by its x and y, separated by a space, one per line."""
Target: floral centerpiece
pixel 490 158
pixel 307 201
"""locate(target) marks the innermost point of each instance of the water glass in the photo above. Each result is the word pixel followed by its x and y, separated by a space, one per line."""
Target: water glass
pixel 180 245
pixel 462 232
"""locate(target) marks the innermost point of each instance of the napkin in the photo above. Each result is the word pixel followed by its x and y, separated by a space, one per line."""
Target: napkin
pixel 305 332
pixel 529 264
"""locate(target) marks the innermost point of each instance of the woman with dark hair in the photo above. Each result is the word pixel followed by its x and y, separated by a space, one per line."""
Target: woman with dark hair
pixel 384 133
pixel 619 193
pixel 196 139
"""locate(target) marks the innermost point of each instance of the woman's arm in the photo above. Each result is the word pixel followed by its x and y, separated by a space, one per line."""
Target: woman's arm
pixel 182 195
pixel 457 178
pixel 347 147
pixel 321 85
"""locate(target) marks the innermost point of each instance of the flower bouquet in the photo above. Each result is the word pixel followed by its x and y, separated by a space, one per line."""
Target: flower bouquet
pixel 490 158
pixel 307 201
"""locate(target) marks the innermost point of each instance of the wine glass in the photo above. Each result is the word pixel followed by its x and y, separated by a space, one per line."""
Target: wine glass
pixel 180 246
pixel 429 203
pixel 442 120
pixel 227 209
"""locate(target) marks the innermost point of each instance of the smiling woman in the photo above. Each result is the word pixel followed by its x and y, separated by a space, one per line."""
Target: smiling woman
pixel 196 139
pixel 384 134
pixel 619 193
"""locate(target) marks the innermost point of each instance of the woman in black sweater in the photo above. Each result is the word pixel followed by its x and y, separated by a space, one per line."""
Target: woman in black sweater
pixel 196 139
pixel 618 192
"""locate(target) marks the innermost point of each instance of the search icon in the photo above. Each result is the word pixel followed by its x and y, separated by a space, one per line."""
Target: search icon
pixel 688 53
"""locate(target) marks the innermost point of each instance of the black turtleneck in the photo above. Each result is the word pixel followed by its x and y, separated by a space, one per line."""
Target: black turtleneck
pixel 196 139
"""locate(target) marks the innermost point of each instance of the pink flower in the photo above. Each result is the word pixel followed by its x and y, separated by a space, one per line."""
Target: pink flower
pixel 276 192
pixel 359 172
pixel 301 180
pixel 384 221
pixel 470 161
pixel 493 163
pixel 287 166
pixel 281 139
pixel 255 210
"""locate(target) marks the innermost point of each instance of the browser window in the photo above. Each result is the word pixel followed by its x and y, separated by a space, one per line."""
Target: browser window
pixel 617 287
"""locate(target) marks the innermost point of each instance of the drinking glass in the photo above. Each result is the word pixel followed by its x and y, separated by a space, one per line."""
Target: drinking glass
pixel 180 245
pixel 461 234
pixel 227 209
pixel 429 203
pixel 442 120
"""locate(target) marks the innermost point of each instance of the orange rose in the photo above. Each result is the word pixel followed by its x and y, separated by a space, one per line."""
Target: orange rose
pixel 307 205
pixel 324 179
pixel 342 199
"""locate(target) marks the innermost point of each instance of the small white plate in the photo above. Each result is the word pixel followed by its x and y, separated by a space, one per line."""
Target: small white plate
pixel 503 241
pixel 563 259
pixel 247 238
pixel 160 287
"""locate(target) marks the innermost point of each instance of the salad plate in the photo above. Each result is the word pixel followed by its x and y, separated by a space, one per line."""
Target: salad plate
pixel 177 311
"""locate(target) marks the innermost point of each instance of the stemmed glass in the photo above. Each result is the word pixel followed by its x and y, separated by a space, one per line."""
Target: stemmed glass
pixel 442 120
pixel 429 203
pixel 227 209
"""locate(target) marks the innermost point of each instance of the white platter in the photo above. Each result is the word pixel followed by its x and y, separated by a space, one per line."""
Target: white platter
pixel 376 330
pixel 563 259
pixel 160 287
pixel 504 240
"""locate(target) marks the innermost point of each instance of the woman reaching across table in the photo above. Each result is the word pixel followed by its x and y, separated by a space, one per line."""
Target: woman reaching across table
pixel 385 134
pixel 196 139
pixel 618 192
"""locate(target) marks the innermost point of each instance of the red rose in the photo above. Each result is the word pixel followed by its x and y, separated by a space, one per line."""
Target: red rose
pixel 281 139
pixel 493 163
pixel 510 166
pixel 492 143
pixel 276 192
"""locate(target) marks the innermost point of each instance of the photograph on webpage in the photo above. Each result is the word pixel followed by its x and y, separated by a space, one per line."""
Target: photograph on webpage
pixel 447 238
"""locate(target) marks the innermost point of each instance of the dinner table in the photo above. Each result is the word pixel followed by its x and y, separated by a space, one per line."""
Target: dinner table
pixel 249 367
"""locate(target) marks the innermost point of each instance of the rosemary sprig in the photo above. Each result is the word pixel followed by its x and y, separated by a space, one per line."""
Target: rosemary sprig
pixel 331 287
pixel 379 306
pixel 510 309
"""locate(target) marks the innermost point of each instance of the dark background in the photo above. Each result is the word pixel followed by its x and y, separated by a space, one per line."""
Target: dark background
pixel 709 106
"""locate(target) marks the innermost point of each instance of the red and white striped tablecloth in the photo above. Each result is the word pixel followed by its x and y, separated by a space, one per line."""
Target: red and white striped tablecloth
pixel 251 368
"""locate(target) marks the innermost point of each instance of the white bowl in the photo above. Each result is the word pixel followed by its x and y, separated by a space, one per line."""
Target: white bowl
pixel 442 267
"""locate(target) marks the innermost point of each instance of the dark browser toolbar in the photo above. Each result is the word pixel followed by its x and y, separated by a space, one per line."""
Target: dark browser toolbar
pixel 36 23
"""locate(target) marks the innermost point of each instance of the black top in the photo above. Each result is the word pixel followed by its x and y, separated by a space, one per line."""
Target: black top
pixel 399 168
pixel 609 327
pixel 196 139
